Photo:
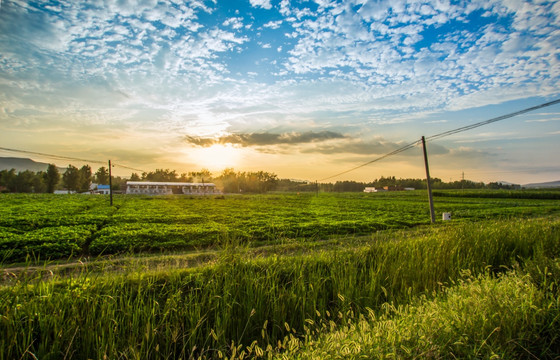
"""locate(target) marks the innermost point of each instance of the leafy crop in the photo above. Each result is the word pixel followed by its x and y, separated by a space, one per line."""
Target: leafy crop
pixel 173 223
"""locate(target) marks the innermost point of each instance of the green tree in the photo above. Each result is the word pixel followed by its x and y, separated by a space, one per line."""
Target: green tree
pixel 7 178
pixel 72 178
pixel 229 180
pixel 102 176
pixel 85 178
pixel 38 182
pixel 134 177
pixel 23 182
pixel 203 175
pixel 160 175
pixel 51 177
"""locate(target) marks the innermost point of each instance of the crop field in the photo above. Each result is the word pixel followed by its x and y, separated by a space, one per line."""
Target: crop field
pixel 281 276
pixel 53 226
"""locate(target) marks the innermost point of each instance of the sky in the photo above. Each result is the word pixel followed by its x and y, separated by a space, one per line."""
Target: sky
pixel 305 89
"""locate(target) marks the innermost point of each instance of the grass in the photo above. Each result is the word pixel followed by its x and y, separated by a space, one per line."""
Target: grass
pixel 49 227
pixel 300 304
pixel 483 317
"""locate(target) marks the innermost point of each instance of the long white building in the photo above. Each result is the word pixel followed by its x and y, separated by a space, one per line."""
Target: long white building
pixel 170 188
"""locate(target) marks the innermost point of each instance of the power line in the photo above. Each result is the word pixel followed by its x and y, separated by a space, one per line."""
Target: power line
pixel 490 121
pixel 448 133
pixel 399 150
pixel 128 167
pixel 60 157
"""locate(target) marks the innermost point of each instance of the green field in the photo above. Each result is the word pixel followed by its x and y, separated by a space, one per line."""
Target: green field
pixel 54 226
pixel 281 276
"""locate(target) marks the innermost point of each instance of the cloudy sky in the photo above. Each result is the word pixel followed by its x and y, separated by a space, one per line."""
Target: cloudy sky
pixel 302 88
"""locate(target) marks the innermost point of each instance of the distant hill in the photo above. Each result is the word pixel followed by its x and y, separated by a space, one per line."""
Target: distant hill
pixel 22 164
pixel 545 185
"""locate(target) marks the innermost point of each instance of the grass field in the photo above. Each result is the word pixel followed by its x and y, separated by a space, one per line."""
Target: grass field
pixel 53 226
pixel 336 276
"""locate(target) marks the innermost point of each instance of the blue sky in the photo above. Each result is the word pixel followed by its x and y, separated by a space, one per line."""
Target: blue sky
pixel 305 89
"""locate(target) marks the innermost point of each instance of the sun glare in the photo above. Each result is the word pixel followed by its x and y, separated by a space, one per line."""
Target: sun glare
pixel 216 157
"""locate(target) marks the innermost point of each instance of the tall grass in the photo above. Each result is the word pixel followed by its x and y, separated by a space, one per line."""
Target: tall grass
pixel 201 312
pixel 480 318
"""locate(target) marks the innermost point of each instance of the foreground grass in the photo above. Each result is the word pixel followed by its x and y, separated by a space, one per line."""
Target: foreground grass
pixel 271 305
pixel 508 317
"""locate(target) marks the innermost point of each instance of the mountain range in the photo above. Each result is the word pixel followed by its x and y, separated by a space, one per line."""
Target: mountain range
pixel 22 164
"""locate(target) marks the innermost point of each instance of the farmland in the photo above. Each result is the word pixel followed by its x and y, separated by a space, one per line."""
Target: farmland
pixel 53 227
pixel 281 276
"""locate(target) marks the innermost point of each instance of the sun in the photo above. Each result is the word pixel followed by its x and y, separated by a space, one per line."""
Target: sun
pixel 215 157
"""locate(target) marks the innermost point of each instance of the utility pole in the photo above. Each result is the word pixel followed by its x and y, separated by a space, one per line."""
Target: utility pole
pixel 432 213
pixel 110 185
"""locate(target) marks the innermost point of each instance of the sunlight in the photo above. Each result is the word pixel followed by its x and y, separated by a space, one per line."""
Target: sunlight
pixel 215 157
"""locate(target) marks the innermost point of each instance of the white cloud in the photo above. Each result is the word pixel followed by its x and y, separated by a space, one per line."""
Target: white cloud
pixel 273 24
pixel 235 22
pixel 265 4
pixel 163 66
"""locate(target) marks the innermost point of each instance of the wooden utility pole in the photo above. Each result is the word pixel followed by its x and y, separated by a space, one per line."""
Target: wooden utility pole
pixel 110 185
pixel 432 213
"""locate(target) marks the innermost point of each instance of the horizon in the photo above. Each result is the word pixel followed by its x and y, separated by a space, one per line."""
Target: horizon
pixel 330 181
pixel 302 89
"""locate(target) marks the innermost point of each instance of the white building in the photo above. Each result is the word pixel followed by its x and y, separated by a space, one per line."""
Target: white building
pixel 169 188
pixel 102 189
pixel 373 189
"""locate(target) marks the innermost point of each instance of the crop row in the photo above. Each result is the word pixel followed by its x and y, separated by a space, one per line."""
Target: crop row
pixel 45 243
pixel 49 226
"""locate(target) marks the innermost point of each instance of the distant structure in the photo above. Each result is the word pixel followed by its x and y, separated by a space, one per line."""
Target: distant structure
pixel 102 190
pixel 387 188
pixel 64 192
pixel 373 189
pixel 170 188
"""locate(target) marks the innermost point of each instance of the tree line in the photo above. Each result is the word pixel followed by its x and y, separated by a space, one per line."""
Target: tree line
pixel 72 179
pixel 229 181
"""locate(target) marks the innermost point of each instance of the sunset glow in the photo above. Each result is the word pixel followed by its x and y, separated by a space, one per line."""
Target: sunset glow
pixel 215 157
pixel 299 88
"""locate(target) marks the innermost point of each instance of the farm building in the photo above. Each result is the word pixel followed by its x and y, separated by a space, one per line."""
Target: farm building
pixel 102 189
pixel 373 189
pixel 169 188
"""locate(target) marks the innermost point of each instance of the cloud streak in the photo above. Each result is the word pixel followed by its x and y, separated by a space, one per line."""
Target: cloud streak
pixel 266 139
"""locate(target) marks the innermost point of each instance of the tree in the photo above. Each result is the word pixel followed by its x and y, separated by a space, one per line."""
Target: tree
pixel 85 178
pixel 229 180
pixel 51 177
pixel 102 176
pixel 7 178
pixel 134 177
pixel 160 175
pixel 23 182
pixel 71 178
pixel 39 184
pixel 203 175
pixel 184 177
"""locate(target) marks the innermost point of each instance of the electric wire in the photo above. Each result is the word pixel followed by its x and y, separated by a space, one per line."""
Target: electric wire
pixel 60 157
pixel 448 133
pixel 490 121
pixel 394 152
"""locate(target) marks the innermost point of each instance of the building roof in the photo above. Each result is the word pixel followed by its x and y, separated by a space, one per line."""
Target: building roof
pixel 162 183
